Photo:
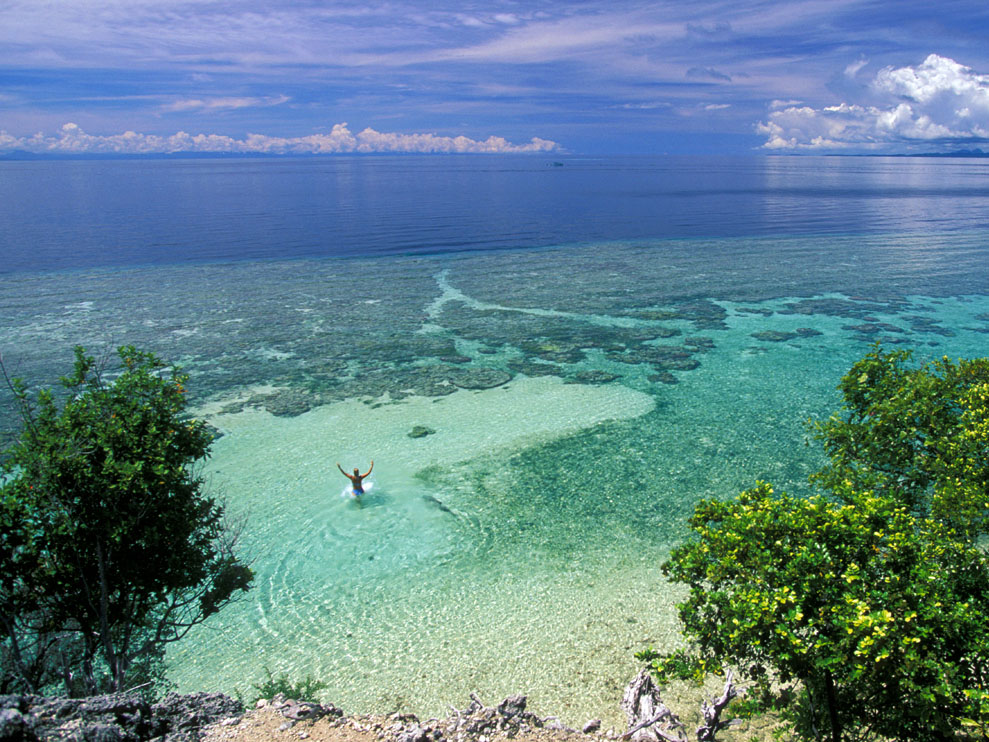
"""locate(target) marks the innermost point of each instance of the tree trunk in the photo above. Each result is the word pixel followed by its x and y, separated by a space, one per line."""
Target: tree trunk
pixel 832 707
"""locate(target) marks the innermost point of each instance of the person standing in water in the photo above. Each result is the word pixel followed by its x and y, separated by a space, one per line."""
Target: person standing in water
pixel 356 479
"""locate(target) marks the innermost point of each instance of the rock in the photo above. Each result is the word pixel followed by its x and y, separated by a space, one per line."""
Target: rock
pixel 873 328
pixel 415 734
pixel 480 377
pixel 112 718
pixel 663 377
pixel 698 343
pixel 420 431
pixel 533 368
pixel 303 710
pixel 512 706
pixel 774 336
pixel 847 308
pixel 592 726
pixel 14 726
pixel 195 710
pixel 104 733
pixel 594 377
pixel 288 403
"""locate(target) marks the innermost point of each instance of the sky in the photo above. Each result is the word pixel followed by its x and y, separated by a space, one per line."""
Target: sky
pixel 591 77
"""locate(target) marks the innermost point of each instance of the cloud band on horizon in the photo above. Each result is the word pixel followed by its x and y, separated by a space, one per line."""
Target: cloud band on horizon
pixel 340 140
pixel 939 102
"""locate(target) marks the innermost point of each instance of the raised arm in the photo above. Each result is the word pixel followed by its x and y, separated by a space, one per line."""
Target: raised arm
pixel 342 471
pixel 368 469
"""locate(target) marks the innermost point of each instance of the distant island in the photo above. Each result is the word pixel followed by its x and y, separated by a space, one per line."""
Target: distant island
pixel 956 153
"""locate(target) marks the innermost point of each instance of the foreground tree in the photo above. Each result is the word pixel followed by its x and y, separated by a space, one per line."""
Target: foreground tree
pixel 109 548
pixel 919 435
pixel 858 613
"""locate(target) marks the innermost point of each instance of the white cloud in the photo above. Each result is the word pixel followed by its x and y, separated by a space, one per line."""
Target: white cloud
pixel 73 140
pixel 218 104
pixel 855 67
pixel 937 77
pixel 938 101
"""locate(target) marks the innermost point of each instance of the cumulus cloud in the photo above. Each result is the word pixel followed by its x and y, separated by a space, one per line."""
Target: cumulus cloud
pixel 937 102
pixel 73 140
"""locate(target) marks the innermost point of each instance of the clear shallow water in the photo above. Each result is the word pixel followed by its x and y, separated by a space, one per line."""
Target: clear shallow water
pixel 517 547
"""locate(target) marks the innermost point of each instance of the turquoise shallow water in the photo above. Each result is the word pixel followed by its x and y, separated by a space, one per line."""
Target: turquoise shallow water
pixel 581 398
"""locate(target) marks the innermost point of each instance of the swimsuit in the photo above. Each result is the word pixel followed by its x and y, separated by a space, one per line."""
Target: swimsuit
pixel 358 489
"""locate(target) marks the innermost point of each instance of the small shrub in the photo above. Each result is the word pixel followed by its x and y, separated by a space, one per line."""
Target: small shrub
pixel 306 690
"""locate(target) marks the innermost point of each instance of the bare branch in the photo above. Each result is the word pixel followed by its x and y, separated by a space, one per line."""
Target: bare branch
pixel 711 713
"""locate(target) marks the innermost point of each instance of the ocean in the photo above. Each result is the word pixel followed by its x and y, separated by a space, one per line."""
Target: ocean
pixel 550 361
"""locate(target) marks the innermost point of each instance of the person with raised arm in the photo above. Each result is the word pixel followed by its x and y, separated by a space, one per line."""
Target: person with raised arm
pixel 356 479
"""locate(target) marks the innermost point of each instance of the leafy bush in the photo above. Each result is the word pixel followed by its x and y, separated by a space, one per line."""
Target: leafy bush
pixel 858 612
pixel 109 548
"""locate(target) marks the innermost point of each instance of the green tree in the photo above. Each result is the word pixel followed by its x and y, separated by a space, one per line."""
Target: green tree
pixel 917 434
pixel 858 612
pixel 109 547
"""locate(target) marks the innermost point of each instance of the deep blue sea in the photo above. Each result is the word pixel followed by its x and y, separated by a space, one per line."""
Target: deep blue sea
pixel 550 361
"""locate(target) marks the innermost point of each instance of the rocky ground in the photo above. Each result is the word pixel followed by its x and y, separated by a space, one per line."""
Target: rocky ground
pixel 214 717
pixel 113 718
pixel 282 720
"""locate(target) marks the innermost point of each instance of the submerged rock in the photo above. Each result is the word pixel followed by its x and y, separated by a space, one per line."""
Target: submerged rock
pixel 873 328
pixel 480 377
pixel 553 350
pixel 774 336
pixel 534 368
pixel 702 313
pixel 926 324
pixel 663 377
pixel 420 431
pixel 289 402
pixel 665 357
pixel 699 343
pixel 594 377
pixel 856 308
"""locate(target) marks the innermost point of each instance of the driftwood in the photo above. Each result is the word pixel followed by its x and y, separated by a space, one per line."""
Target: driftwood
pixel 712 712
pixel 650 720
pixel 644 710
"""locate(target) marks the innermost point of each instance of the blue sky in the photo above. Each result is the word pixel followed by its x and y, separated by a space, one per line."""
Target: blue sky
pixel 297 76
